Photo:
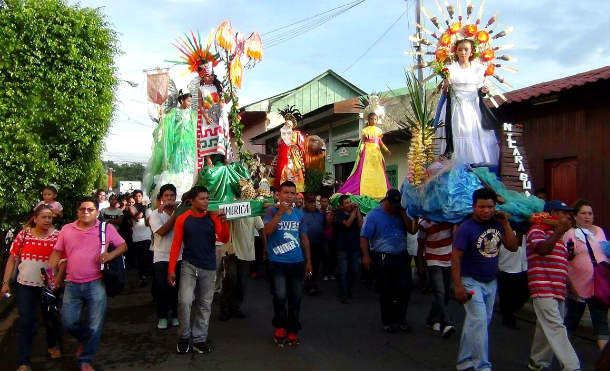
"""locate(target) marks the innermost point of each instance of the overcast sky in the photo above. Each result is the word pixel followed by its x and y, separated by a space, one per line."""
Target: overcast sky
pixel 553 38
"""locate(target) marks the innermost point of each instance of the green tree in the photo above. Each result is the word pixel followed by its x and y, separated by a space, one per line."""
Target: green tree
pixel 57 80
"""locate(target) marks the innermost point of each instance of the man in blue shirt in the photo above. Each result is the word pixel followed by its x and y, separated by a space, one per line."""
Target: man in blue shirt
pixel 384 232
pixel 287 246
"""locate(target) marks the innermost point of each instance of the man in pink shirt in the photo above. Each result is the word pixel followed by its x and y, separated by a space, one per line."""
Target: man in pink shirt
pixel 80 241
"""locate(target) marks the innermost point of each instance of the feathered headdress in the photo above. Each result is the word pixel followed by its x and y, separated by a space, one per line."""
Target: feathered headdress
pixel 199 59
pixel 457 28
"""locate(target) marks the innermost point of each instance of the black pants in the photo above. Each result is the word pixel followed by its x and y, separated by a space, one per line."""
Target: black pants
pixel 317 255
pixel 258 253
pixel 329 265
pixel 144 257
pixel 513 293
pixel 233 283
pixel 286 288
pixel 166 296
pixel 394 286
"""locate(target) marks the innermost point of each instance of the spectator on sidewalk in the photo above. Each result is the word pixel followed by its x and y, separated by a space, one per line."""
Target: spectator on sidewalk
pixel 100 196
pixel 512 283
pixel 125 230
pixel 162 222
pixel 315 222
pixel 196 229
pixel 49 197
pixel 113 214
pixel 347 224
pixel 236 265
pixel 434 242
pixel 580 272
pixel 474 267
pixel 80 242
pixel 141 236
pixel 547 258
pixel 29 252
pixel 384 233
pixel 287 247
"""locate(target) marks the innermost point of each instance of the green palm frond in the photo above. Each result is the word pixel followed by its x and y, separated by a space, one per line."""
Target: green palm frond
pixel 422 116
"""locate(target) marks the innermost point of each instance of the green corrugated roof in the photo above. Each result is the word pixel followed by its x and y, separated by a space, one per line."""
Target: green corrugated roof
pixel 324 89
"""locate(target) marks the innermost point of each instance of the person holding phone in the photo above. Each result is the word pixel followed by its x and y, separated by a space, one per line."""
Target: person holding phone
pixel 288 249
pixel 30 250
pixel 197 229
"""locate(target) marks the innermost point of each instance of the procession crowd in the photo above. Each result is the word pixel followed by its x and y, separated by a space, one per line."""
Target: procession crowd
pixel 191 256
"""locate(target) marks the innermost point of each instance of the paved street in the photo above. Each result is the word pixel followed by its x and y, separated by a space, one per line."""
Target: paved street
pixel 335 336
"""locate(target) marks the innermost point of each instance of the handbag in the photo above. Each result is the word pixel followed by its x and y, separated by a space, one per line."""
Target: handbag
pixel 114 272
pixel 601 277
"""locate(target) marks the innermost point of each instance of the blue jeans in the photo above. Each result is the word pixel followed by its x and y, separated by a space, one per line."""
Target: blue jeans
pixel 93 296
pixel 29 299
pixel 474 349
pixel 287 290
pixel 349 265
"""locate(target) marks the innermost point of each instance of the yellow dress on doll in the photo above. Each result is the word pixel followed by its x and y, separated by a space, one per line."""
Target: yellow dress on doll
pixel 368 178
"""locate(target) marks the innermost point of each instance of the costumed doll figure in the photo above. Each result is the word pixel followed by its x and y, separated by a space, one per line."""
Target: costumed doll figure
pixel 469 124
pixel 290 163
pixel 213 123
pixel 368 177
pixel 174 149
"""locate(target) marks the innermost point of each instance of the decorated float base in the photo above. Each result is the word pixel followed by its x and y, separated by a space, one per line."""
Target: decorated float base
pixel 365 203
pixel 231 190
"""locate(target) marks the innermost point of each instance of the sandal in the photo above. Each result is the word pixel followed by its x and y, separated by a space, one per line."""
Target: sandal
pixel 54 352
pixel 24 368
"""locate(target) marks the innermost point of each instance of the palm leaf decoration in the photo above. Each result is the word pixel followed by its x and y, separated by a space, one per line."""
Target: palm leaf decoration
pixel 420 123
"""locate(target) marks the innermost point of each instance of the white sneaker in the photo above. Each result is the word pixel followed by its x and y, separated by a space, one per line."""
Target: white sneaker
pixel 436 326
pixel 175 322
pixel 162 324
pixel 448 330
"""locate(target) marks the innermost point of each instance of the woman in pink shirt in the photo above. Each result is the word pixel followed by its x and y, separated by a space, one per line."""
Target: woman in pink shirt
pixel 30 251
pixel 580 272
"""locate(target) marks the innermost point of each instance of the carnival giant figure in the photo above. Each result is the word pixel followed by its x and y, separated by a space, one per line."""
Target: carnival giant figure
pixel 368 177
pixel 290 163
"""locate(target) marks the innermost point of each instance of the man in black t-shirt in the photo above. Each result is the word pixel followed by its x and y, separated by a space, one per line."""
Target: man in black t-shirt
pixel 348 221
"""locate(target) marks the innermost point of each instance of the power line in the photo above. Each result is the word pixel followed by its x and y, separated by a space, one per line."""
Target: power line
pixel 306 24
pixel 376 41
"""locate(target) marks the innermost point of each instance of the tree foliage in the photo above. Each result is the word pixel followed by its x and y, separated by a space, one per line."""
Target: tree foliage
pixel 56 101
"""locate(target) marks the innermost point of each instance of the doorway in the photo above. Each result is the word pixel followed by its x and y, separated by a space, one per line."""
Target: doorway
pixel 560 179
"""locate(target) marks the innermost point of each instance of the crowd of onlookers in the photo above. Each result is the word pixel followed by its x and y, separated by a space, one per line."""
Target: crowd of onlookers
pixel 192 256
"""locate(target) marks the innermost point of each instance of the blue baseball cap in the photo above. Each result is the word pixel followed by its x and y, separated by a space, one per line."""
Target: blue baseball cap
pixel 556 205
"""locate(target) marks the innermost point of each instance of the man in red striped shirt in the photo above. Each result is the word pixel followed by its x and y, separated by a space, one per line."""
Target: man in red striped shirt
pixel 547 258
pixel 434 245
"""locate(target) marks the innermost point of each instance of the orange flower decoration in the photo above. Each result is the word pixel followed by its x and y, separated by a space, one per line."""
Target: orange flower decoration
pixel 490 70
pixel 236 71
pixel 470 30
pixel 225 36
pixel 455 28
pixel 441 54
pixel 253 47
pixel 445 39
pixel 487 55
pixel 483 36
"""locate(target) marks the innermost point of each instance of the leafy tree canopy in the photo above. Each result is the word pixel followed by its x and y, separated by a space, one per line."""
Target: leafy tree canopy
pixel 57 80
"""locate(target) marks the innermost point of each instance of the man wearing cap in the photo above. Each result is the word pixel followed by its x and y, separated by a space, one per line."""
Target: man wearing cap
pixel 384 233
pixel 547 258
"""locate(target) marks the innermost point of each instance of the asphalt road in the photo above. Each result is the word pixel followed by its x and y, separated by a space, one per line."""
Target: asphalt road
pixel 334 336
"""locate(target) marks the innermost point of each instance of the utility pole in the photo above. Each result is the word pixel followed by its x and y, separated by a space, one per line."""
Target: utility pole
pixel 419 57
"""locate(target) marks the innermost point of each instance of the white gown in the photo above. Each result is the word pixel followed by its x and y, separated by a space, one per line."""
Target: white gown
pixel 471 143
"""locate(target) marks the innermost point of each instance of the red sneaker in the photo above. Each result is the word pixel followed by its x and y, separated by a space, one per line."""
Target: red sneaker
pixel 253 275
pixel 292 340
pixel 279 335
pixel 80 349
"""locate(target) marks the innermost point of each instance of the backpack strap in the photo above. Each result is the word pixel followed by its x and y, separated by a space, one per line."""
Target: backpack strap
pixel 103 240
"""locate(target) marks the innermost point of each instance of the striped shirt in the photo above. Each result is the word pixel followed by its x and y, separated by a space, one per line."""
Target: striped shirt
pixel 438 240
pixel 547 275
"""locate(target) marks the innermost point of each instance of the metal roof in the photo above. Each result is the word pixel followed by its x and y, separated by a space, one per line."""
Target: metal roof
pixel 559 85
